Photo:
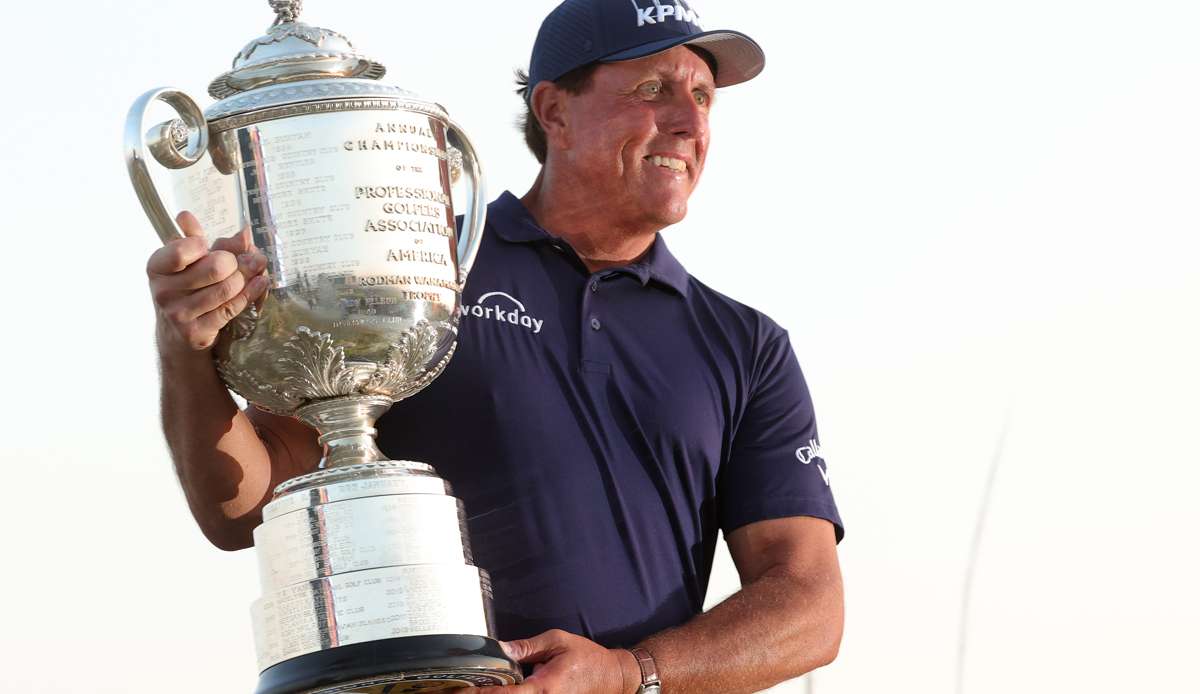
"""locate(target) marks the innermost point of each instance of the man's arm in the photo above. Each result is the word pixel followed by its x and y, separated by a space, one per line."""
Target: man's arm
pixel 785 621
pixel 227 461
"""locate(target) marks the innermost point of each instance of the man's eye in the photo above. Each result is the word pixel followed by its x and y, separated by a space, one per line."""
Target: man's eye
pixel 650 90
pixel 702 97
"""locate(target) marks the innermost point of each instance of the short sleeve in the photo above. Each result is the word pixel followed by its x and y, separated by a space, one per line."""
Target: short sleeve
pixel 775 468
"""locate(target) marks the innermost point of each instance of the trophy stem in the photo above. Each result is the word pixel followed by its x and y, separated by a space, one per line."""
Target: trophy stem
pixel 347 428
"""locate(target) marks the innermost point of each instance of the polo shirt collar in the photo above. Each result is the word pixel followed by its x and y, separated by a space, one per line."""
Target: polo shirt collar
pixel 512 222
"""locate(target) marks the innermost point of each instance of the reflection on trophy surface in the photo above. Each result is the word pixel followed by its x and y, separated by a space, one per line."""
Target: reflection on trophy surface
pixel 347 186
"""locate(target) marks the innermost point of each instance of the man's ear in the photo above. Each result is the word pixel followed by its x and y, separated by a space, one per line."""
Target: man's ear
pixel 549 105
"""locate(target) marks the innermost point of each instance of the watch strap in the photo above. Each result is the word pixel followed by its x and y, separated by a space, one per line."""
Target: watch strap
pixel 650 682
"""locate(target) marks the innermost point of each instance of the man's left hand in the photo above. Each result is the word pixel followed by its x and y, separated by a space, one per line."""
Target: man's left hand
pixel 564 663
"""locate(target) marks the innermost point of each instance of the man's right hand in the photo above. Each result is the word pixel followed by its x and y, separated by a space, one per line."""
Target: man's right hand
pixel 198 289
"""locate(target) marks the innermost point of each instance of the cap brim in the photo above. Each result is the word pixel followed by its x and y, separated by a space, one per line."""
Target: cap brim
pixel 739 58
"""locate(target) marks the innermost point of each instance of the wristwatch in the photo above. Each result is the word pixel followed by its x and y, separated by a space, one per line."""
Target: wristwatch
pixel 650 682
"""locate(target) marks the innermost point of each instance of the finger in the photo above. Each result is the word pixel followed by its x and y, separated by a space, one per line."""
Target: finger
pixel 257 287
pixel 237 244
pixel 537 649
pixel 219 317
pixel 203 332
pixel 252 263
pixel 176 256
pixel 194 305
pixel 523 688
pixel 213 268
pixel 189 224
pixel 185 307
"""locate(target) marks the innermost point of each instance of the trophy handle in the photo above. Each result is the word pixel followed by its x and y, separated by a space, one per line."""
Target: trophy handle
pixel 472 233
pixel 171 144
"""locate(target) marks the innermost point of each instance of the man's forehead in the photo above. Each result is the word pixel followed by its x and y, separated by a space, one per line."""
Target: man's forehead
pixel 679 62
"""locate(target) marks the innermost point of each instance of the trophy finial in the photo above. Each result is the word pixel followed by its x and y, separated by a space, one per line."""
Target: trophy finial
pixel 286 11
pixel 292 51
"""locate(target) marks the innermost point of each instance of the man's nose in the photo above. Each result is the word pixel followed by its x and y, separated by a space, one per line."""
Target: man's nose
pixel 684 117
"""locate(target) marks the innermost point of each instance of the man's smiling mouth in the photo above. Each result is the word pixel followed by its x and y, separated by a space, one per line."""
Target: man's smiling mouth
pixel 668 163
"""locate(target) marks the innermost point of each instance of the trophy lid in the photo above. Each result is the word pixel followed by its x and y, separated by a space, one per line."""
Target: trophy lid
pixel 292 51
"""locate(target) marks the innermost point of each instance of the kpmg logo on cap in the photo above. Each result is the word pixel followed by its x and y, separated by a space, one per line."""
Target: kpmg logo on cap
pixel 659 12
pixel 509 310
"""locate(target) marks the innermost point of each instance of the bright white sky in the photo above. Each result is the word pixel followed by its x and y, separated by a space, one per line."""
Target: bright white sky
pixel 961 211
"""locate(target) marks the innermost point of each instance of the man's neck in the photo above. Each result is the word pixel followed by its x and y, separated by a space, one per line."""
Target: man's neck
pixel 571 214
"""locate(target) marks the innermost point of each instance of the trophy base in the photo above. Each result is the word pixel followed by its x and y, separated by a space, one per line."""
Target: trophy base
pixel 394 666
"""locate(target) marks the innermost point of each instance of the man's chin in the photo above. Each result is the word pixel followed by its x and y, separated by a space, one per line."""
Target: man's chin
pixel 677 216
pixel 669 213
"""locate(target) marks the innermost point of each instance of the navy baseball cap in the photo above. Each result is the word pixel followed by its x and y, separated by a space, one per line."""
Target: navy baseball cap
pixel 579 32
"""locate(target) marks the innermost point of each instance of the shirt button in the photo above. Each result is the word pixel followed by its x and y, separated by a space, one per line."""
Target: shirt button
pixel 595 323
pixel 595 286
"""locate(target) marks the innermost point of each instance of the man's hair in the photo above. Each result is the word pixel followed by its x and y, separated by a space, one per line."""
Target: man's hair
pixel 576 81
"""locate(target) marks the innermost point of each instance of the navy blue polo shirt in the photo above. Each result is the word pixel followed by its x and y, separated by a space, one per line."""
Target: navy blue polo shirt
pixel 601 427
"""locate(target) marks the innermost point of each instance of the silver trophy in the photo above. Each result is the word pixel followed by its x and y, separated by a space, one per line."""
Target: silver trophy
pixel 347 187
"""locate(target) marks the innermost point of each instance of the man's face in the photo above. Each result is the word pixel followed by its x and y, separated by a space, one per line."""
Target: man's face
pixel 638 136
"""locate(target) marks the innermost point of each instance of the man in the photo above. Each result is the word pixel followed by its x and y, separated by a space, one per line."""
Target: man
pixel 605 414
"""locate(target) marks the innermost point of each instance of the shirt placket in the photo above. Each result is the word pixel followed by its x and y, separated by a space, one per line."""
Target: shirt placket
pixel 595 355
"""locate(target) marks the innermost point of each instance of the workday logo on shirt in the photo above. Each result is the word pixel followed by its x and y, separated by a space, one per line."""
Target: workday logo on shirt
pixel 660 12
pixel 502 308
pixel 811 454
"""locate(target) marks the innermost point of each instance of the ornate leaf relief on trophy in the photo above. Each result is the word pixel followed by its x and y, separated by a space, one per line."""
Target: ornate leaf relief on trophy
pixel 406 361
pixel 263 395
pixel 314 367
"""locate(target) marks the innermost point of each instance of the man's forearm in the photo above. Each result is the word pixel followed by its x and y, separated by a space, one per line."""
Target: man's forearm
pixel 223 466
pixel 778 627
pixel 786 621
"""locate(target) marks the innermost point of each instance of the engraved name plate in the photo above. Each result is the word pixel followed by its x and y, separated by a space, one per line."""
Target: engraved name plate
pixel 343 491
pixel 370 605
pixel 359 534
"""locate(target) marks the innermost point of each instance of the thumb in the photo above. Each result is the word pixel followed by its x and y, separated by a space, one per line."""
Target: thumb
pixel 538 649
pixel 189 224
